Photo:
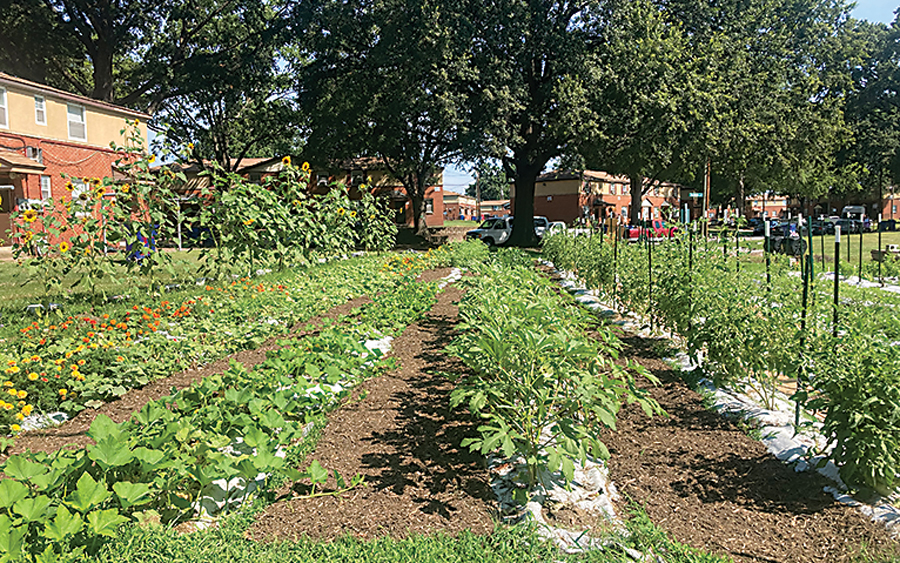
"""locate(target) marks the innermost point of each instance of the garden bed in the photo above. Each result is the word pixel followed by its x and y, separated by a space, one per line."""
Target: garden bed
pixel 700 477
pixel 400 434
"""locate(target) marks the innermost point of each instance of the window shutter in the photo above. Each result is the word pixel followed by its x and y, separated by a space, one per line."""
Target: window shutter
pixel 4 121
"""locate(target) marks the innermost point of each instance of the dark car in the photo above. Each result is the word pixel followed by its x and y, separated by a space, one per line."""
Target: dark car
pixel 849 225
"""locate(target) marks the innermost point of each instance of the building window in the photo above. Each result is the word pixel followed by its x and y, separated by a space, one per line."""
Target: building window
pixel 77 125
pixel 40 110
pixel 35 153
pixel 45 188
pixel 429 206
pixel 612 189
pixel 893 209
pixel 4 121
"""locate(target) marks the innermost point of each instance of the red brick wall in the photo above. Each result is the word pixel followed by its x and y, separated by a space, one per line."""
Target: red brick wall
pixel 454 210
pixel 59 157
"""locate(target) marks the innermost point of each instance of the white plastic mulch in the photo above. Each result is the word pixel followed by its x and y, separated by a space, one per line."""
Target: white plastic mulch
pixel 776 426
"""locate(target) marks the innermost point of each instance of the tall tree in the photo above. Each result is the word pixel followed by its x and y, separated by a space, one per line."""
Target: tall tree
pixel 649 93
pixel 534 60
pixel 873 107
pixel 386 78
pixel 492 182
pixel 239 101
pixel 134 49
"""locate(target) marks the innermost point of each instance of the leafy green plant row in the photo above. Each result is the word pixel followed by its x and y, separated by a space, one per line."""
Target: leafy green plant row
pixel 69 362
pixel 159 464
pixel 750 333
pixel 541 386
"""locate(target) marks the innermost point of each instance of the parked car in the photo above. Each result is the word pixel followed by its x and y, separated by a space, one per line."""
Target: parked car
pixel 496 231
pixel 848 225
pixel 656 230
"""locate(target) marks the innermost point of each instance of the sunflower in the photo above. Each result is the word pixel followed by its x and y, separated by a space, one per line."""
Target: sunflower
pixel 99 191
pixel 190 146
pixel 70 186
pixel 341 211
pixel 305 167
pixel 83 196
pixel 30 215
pixel 151 159
pixel 64 246
pixel 28 236
pixel 125 188
pixel 353 213
pixel 286 161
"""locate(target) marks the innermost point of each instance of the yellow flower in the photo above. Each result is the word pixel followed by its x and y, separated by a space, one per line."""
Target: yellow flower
pixel 100 191
pixel 22 394
pixel 28 236
pixel 341 211
pixel 190 146
pixel 63 392
pixel 15 428
pixel 26 410
pixel 151 159
pixel 64 247
pixel 286 161
pixel 70 186
pixel 353 213
pixel 11 392
pixel 305 167
pixel 248 222
pixel 20 416
pixel 12 369
pixel 30 215
pixel 125 188
pixel 32 376
pixel 8 384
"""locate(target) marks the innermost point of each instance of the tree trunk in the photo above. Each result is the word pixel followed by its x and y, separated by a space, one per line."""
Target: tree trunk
pixel 523 214
pixel 103 74
pixel 416 187
pixel 636 186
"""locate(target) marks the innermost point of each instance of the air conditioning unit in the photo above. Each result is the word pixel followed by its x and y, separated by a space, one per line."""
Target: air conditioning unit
pixel 35 153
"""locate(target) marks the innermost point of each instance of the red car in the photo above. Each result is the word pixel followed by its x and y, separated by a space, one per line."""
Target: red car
pixel 657 230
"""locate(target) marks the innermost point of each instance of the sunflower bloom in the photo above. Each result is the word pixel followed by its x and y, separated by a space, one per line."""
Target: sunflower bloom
pixel 64 247
pixel 286 161
pixel 30 215
pixel 151 159
pixel 341 211
pixel 305 167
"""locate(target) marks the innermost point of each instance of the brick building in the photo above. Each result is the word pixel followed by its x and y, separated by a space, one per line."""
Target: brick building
pixel 569 196
pixel 44 133
pixel 458 207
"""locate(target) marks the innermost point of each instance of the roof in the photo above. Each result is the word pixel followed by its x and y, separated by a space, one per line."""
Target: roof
pixel 495 202
pixel 44 89
pixel 556 175
pixel 14 162
pixel 195 168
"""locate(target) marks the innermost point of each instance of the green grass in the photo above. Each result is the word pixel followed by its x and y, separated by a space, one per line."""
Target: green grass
pixel 517 544
pixel 467 224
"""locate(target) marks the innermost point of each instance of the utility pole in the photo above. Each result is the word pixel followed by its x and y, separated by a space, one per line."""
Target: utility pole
pixel 478 194
pixel 706 174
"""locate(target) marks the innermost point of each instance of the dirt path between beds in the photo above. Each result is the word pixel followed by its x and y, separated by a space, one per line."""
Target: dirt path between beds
pixel 709 485
pixel 403 438
pixel 71 434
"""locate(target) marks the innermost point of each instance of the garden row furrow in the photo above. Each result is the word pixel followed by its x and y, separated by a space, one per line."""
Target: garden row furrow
pixel 207 448
pixel 402 436
pixel 73 433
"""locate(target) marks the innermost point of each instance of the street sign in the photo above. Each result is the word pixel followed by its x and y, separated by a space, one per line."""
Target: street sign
pixel 695 194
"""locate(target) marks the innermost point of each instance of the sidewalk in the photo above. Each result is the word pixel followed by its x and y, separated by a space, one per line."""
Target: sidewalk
pixel 6 254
